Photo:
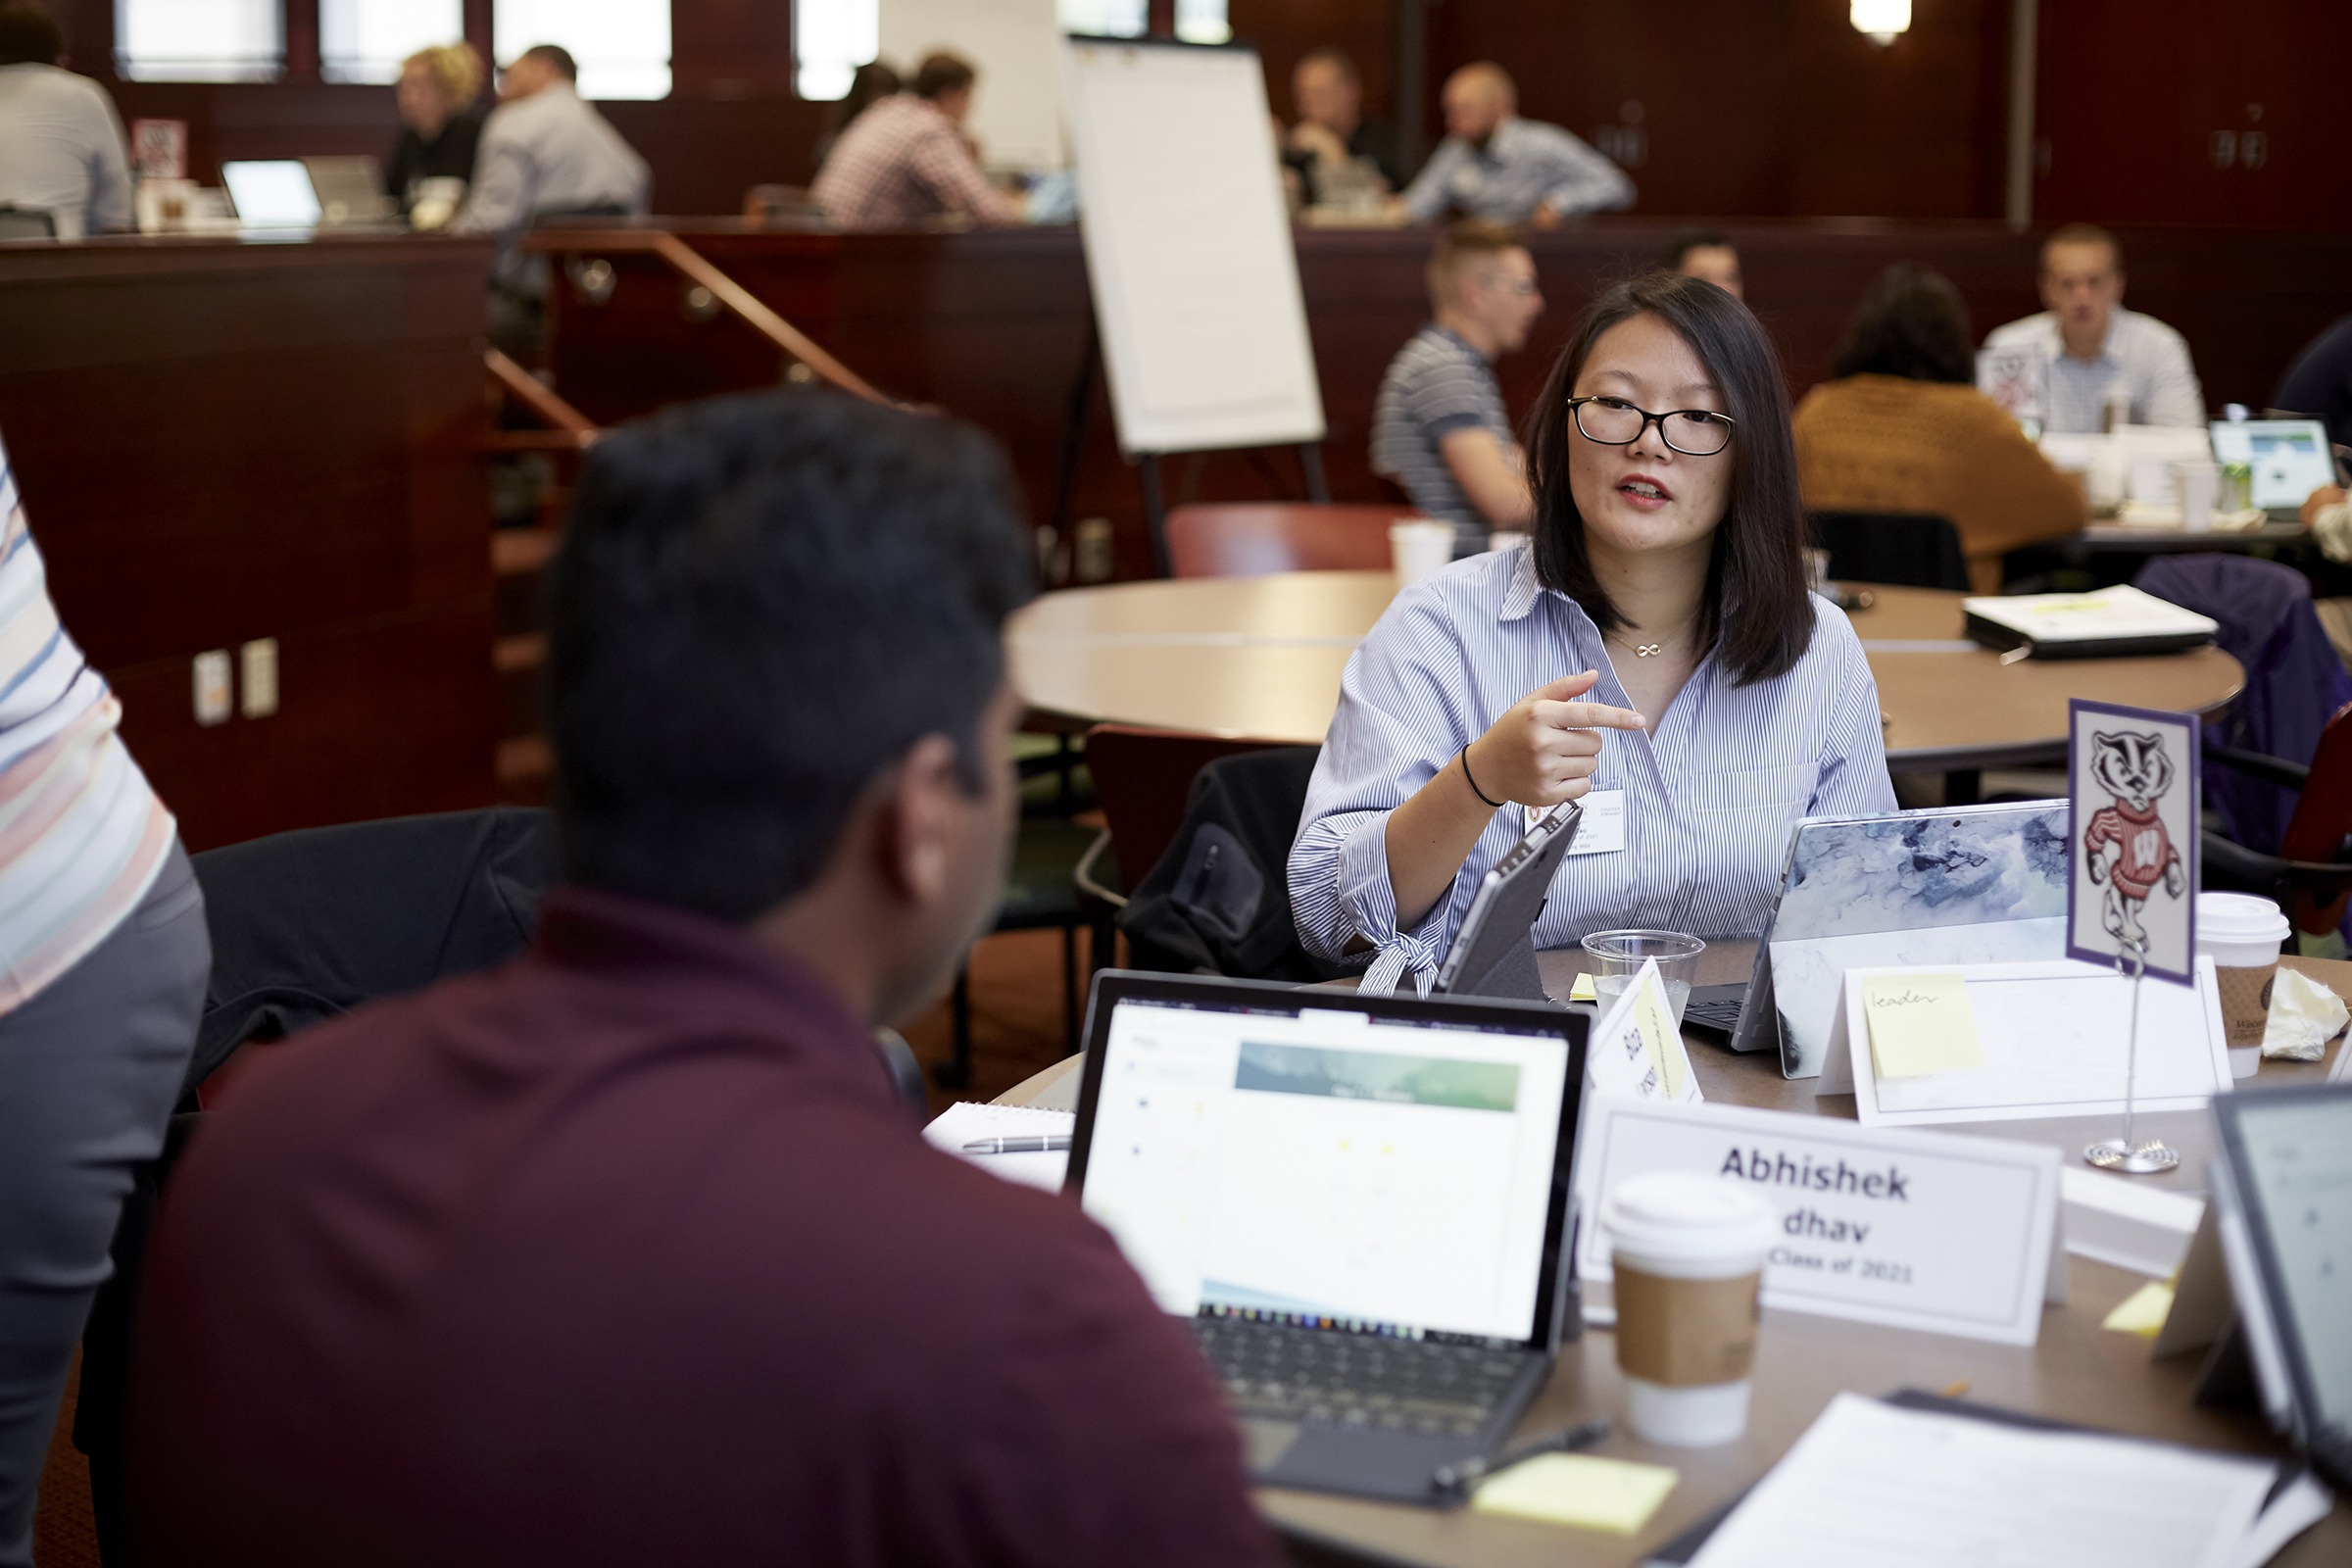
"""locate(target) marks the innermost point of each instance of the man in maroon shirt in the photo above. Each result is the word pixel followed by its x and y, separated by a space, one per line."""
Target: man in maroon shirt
pixel 628 1253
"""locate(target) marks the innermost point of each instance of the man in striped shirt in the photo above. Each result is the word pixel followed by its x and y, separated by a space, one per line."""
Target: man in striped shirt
pixel 1439 427
pixel 906 159
pixel 103 961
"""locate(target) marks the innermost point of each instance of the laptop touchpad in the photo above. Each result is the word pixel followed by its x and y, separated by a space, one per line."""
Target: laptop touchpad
pixel 1265 1443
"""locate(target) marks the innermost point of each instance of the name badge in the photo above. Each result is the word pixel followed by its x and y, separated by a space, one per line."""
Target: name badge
pixel 1917 1230
pixel 1601 831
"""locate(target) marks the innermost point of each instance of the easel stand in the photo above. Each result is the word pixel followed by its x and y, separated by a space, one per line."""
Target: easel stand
pixel 2123 1154
pixel 1156 504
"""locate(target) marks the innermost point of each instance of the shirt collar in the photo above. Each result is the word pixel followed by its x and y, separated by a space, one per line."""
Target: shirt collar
pixel 1519 599
pixel 2114 327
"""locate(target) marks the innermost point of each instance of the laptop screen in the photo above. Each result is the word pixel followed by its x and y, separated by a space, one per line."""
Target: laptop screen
pixel 2295 1171
pixel 1317 1166
pixel 2291 457
pixel 271 193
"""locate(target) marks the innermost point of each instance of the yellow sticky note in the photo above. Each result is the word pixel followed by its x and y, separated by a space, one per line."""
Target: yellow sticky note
pixel 1920 1023
pixel 1581 989
pixel 1578 1490
pixel 2144 1312
pixel 1655 1016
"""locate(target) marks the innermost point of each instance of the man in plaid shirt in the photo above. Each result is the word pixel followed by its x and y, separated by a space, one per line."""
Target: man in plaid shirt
pixel 905 159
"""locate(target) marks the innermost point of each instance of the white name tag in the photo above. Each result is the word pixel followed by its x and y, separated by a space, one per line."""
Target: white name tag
pixel 1634 1049
pixel 1931 1231
pixel 1600 831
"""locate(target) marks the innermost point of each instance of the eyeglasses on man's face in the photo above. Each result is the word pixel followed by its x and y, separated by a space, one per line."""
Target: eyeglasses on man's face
pixel 1615 423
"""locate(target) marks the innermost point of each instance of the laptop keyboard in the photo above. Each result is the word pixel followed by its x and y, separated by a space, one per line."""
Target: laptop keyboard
pixel 1359 1381
pixel 1715 1007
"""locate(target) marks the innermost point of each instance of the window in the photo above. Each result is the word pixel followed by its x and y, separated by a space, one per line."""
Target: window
pixel 830 40
pixel 366 40
pixel 1109 18
pixel 622 46
pixel 199 40
pixel 1203 21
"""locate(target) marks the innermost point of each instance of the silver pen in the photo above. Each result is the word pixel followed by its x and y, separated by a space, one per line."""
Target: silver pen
pixel 1018 1146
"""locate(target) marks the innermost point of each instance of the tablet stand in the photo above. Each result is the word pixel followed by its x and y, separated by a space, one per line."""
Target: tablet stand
pixel 2122 1154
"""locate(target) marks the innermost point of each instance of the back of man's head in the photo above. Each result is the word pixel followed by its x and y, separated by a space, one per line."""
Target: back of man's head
pixel 941 74
pixel 760 603
pixel 556 58
pixel 29 34
pixel 1462 249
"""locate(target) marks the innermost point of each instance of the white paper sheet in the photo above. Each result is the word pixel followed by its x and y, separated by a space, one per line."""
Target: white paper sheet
pixel 968 1121
pixel 1870 1484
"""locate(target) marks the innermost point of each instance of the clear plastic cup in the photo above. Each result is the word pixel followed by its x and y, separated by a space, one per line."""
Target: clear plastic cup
pixel 1616 957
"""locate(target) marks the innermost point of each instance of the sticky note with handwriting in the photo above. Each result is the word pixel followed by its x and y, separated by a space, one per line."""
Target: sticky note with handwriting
pixel 1919 1024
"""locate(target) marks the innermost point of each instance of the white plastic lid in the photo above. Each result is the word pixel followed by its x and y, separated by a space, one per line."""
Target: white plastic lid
pixel 1684 1225
pixel 2239 918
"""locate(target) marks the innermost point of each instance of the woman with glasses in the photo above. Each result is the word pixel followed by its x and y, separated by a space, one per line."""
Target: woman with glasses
pixel 1653 652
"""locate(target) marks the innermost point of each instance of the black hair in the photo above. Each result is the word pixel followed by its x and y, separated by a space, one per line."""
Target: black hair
pixel 1755 608
pixel 29 34
pixel 869 83
pixel 760 603
pixel 556 55
pixel 1683 241
pixel 1911 323
pixel 941 74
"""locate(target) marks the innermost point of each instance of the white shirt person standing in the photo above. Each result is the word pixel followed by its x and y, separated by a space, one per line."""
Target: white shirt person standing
pixel 2096 352
pixel 62 148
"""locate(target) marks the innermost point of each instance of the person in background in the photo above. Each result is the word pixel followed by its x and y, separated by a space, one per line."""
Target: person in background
pixel 545 151
pixel 631 1251
pixel 103 961
pixel 1332 130
pixel 1439 427
pixel 1901 426
pixel 1496 167
pixel 906 159
pixel 2099 353
pixel 1704 253
pixel 62 147
pixel 441 121
pixel 2319 384
pixel 1654 638
pixel 869 84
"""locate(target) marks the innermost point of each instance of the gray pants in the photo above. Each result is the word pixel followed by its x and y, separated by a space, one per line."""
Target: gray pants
pixel 89 1069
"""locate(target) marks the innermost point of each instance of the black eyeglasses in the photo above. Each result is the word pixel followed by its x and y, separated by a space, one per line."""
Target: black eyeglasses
pixel 1615 423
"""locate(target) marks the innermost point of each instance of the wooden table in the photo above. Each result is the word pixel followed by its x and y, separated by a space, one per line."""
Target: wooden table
pixel 2077 1371
pixel 1260 657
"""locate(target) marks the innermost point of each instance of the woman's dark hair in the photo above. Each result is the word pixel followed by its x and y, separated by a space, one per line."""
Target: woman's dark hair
pixel 869 83
pixel 1911 323
pixel 29 35
pixel 1755 609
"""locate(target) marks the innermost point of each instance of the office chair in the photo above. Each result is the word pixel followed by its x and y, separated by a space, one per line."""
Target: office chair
pixel 1251 539
pixel 2310 878
pixel 1144 780
pixel 1908 549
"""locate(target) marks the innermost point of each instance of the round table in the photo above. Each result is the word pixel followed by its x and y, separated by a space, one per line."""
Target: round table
pixel 1259 659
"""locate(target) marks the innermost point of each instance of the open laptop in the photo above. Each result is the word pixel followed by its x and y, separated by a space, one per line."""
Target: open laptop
pixel 1494 952
pixel 2283 1195
pixel 1359 1203
pixel 271 192
pixel 350 193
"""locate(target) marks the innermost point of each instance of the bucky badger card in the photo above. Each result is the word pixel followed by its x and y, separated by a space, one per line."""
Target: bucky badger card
pixel 2132 851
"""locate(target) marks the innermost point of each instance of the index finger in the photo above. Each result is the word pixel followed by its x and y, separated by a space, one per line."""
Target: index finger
pixel 1588 716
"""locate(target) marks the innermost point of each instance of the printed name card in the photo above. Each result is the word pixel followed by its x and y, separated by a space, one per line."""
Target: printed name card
pixel 1921 1023
pixel 1636 1050
pixel 1918 1230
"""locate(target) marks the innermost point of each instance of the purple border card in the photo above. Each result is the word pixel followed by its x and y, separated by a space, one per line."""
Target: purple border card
pixel 2134 780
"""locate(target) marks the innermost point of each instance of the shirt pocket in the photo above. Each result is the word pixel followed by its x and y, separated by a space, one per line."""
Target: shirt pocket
pixel 1750 794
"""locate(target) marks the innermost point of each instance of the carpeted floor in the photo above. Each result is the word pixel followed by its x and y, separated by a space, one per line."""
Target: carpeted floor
pixel 1017 1031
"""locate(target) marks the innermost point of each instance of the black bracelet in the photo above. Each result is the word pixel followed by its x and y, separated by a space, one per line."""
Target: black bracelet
pixel 1463 758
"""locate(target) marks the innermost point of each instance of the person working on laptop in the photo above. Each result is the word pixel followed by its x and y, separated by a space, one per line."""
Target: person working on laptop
pixel 1653 652
pixel 631 1251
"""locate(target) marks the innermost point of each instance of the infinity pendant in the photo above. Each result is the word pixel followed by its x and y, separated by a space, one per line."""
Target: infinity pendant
pixel 1648 650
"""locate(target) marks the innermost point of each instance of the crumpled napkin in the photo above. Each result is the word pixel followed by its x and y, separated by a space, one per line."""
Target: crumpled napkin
pixel 2304 1016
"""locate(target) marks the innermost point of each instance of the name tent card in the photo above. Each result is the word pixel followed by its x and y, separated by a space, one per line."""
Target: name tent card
pixel 1636 1050
pixel 1917 1230
pixel 1920 1024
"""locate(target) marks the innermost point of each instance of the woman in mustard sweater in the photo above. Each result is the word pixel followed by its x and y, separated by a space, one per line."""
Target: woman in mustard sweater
pixel 1902 428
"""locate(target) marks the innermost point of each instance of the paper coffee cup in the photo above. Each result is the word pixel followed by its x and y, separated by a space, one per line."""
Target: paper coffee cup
pixel 2197 484
pixel 1688 1260
pixel 2242 933
pixel 1419 547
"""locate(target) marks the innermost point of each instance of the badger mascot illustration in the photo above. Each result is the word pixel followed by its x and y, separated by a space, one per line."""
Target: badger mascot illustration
pixel 2126 845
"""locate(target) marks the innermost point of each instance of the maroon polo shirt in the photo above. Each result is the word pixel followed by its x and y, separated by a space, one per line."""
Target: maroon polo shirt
pixel 628 1253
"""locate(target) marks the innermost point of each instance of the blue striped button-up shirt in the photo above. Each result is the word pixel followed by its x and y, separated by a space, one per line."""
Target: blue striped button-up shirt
pixel 1710 796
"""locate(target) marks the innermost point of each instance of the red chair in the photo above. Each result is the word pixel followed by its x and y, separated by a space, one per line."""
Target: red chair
pixel 2310 875
pixel 1250 539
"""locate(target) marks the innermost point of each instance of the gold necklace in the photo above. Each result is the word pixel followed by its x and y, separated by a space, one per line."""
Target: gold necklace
pixel 1653 650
